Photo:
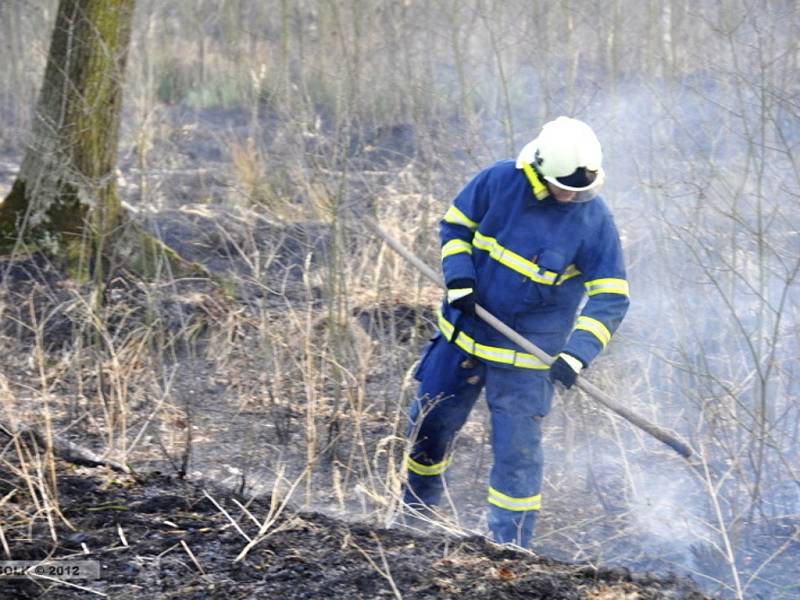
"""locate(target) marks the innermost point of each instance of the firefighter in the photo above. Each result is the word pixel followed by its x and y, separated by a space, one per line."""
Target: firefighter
pixel 532 242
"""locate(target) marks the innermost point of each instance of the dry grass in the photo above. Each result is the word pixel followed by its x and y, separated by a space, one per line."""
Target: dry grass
pixel 295 380
pixel 299 368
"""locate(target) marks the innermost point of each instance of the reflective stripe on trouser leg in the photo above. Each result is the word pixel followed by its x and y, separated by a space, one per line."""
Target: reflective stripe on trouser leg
pixel 450 382
pixel 518 399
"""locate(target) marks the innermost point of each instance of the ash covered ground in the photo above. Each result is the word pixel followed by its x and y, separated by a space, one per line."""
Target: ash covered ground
pixel 167 538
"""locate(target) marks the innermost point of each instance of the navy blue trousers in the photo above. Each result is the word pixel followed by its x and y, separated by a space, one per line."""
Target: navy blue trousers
pixel 450 383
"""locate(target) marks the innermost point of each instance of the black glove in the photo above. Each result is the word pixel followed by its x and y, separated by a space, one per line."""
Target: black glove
pixel 461 295
pixel 564 372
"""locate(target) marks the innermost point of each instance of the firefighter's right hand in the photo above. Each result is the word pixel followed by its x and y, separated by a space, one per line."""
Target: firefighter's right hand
pixel 461 295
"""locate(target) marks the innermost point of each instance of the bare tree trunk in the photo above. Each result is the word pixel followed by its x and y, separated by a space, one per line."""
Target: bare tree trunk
pixel 12 31
pixel 65 197
pixel 574 53
pixel 614 49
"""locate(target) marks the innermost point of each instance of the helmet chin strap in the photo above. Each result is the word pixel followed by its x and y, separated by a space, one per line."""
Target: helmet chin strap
pixel 587 195
pixel 539 188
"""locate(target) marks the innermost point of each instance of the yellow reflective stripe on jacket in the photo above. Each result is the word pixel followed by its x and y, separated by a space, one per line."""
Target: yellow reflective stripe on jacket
pixel 521 265
pixel 420 469
pixel 510 503
pixel 505 356
pixel 594 327
pixel 570 272
pixel 456 217
pixel 539 189
pixel 455 247
pixel 609 285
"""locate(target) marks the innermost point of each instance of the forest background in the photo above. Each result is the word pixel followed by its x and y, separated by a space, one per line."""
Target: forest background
pixel 253 133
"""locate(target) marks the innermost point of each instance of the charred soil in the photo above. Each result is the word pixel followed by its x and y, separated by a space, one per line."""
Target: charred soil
pixel 169 538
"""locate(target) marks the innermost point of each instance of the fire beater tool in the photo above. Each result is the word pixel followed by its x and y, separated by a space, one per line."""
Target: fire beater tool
pixel 670 439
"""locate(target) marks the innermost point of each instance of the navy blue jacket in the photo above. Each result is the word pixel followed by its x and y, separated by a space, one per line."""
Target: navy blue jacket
pixel 552 271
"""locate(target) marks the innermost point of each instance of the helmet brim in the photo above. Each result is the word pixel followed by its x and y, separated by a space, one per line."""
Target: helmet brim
pixel 601 175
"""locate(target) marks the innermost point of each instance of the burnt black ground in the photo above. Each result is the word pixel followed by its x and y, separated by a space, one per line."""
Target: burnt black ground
pixel 303 555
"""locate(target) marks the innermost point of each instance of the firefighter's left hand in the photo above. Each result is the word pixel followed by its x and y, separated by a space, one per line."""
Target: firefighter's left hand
pixel 565 369
pixel 461 295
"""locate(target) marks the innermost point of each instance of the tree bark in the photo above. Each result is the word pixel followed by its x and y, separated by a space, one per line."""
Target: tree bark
pixel 65 200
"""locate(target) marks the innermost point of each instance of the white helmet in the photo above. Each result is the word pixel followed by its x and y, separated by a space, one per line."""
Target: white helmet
pixel 567 154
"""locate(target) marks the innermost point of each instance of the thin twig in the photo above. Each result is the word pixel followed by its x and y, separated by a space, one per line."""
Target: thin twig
pixel 193 557
pixel 386 574
pixel 247 512
pixel 276 508
pixel 122 535
pixel 70 584
pixel 225 512
pixel 771 557
pixel 6 549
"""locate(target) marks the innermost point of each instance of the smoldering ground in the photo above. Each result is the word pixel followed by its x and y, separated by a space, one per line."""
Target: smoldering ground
pixel 298 374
